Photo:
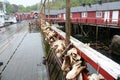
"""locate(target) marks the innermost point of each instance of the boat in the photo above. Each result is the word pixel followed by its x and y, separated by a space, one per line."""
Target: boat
pixel 2 18
pixel 10 19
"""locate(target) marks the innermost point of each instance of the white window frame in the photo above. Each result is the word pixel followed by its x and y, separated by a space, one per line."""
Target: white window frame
pixel 115 16
pixel 84 14
pixel 64 16
pixel 99 14
pixel 70 15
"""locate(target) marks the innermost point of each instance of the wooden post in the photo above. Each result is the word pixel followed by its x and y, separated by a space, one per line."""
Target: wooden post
pixel 43 6
pixel 67 22
pixel 96 35
pixel 42 10
pixel 49 12
pixel 40 13
pixel 48 9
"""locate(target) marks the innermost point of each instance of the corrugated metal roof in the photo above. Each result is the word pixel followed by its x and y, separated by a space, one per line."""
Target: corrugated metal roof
pixel 104 6
pixel 52 12
pixel 55 12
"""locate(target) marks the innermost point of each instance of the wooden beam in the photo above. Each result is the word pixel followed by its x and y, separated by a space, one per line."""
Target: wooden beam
pixel 96 36
pixel 43 6
pixel 67 22
pixel 48 9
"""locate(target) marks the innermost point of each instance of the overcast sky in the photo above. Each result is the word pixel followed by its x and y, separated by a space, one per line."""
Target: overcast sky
pixel 23 2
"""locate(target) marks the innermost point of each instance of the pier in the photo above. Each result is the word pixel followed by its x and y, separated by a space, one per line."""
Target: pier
pixel 22 55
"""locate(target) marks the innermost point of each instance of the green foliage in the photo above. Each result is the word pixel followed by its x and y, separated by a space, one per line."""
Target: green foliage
pixel 9 8
pixel 28 8
pixel 59 4
pixel 12 8
pixel 21 8
pixel 75 3
pixel 34 7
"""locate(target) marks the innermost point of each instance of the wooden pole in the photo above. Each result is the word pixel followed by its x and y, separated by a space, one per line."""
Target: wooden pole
pixel 40 13
pixel 49 12
pixel 42 10
pixel 96 29
pixel 96 35
pixel 48 9
pixel 43 6
pixel 67 22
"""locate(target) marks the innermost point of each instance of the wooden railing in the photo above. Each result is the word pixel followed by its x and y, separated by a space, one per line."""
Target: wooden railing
pixel 93 21
pixel 105 66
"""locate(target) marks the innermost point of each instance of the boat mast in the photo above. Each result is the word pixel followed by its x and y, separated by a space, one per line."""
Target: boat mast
pixel 4 6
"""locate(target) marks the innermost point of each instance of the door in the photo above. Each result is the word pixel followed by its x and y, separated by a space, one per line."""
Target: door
pixel 107 16
pixel 115 16
pixel 64 16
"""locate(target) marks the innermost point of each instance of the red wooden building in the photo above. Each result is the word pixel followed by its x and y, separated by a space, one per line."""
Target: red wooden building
pixel 100 14
pixel 25 16
pixel 53 15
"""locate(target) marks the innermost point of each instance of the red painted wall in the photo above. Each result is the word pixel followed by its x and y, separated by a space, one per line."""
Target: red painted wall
pixel 51 16
pixel 91 18
pixel 76 15
pixel 119 19
pixel 91 14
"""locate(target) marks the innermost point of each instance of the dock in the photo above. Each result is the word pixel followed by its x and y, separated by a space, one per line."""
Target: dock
pixel 22 57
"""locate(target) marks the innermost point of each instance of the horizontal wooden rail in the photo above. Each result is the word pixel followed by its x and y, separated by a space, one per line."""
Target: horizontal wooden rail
pixel 94 21
pixel 108 68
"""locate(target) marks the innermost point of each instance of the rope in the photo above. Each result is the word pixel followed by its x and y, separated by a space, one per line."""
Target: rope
pixel 67 48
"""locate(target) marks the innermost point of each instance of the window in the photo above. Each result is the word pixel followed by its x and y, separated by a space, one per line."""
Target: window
pixel 84 14
pixel 70 15
pixel 59 15
pixel 99 14
pixel 115 16
pixel 64 16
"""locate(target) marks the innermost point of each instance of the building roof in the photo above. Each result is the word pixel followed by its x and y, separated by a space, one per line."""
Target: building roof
pixel 52 12
pixel 97 7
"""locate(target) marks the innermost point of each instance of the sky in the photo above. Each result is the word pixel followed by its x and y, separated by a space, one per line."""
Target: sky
pixel 23 2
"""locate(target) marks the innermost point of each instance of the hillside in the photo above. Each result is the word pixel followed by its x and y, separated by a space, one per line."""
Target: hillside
pixel 59 4
pixel 12 8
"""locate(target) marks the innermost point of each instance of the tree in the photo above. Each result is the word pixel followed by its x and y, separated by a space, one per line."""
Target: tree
pixel 15 8
pixel 34 7
pixel 8 8
pixel 21 8
pixel 28 9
